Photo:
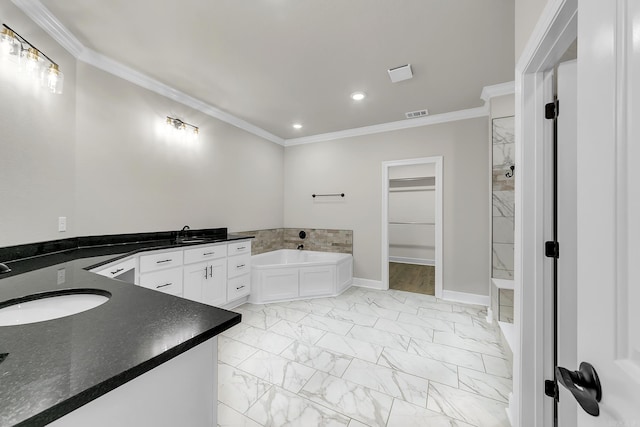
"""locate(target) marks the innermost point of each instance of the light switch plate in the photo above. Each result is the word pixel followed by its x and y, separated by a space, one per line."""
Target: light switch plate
pixel 62 223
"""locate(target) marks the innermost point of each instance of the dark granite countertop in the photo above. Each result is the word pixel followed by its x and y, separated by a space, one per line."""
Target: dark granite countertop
pixel 48 369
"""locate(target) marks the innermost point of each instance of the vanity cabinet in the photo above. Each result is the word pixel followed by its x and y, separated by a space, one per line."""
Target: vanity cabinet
pixel 215 274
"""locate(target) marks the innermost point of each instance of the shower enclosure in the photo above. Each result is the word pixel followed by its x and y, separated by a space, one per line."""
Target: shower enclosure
pixel 503 202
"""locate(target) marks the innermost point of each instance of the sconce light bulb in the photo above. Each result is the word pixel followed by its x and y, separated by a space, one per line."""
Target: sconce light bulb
pixel 53 79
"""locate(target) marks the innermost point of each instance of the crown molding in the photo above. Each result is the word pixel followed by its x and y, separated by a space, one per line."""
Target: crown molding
pixel 500 89
pixel 35 10
pixel 453 116
pixel 43 17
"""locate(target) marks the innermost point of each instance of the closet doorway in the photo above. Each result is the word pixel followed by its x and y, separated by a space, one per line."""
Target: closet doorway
pixel 412 225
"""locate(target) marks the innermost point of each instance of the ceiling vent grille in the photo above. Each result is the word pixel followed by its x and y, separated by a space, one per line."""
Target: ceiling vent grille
pixel 416 114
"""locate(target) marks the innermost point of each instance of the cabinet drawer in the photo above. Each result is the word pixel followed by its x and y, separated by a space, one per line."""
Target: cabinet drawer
pixel 204 253
pixel 160 260
pixel 238 248
pixel 238 287
pixel 118 268
pixel 167 281
pixel 238 265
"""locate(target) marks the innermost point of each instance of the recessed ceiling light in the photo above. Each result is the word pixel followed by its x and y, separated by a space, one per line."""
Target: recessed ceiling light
pixel 358 96
pixel 297 126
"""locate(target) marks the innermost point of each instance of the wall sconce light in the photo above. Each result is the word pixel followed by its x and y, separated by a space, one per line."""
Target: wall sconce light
pixel 181 126
pixel 30 61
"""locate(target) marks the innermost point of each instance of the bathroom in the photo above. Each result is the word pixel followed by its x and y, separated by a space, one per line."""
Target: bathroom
pixel 97 160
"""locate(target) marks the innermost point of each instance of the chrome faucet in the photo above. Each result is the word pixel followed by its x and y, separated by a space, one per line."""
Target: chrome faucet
pixel 183 232
pixel 300 247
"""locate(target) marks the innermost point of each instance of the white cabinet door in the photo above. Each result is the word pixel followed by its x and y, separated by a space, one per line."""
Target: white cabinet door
pixel 206 282
pixel 214 291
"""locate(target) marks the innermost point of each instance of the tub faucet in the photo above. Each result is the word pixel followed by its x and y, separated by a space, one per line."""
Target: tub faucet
pixel 300 247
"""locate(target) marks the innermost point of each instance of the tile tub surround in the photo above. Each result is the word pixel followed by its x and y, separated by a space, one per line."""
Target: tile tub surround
pixel 364 358
pixel 322 240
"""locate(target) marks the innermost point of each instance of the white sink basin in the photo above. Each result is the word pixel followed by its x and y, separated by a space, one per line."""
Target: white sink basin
pixel 49 307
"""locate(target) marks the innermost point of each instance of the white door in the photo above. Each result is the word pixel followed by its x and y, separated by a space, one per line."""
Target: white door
pixel 608 205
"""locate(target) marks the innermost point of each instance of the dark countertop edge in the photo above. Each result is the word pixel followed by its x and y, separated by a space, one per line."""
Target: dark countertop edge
pixel 116 251
pixel 160 247
pixel 61 409
pixel 27 251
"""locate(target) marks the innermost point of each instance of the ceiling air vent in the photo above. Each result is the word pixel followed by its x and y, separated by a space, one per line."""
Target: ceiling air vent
pixel 416 114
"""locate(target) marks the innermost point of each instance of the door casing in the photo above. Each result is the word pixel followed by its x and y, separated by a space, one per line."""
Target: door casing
pixel 437 161
pixel 532 356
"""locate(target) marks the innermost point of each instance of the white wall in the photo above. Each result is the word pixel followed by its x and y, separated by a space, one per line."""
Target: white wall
pixel 95 154
pixel 527 14
pixel 37 182
pixel 354 166
pixel 133 177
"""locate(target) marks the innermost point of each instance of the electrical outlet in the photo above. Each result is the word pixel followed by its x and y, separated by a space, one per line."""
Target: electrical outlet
pixel 62 276
pixel 62 223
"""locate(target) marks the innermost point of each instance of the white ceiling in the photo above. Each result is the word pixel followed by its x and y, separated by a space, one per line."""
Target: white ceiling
pixel 276 62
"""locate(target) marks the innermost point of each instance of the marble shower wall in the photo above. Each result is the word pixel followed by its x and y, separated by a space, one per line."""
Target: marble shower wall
pixel 503 217
pixel 503 197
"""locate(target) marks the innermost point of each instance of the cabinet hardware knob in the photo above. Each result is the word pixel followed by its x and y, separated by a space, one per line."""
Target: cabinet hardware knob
pixel 208 253
pixel 240 266
pixel 239 287
pixel 240 248
pixel 211 270
pixel 164 260
pixel 164 286
pixel 205 273
pixel 117 271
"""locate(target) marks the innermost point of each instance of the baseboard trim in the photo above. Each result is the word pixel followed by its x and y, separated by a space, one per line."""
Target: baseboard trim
pixel 466 298
pixel 416 261
pixel 367 283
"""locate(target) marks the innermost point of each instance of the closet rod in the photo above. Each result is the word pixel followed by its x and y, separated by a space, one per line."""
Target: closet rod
pixel 411 223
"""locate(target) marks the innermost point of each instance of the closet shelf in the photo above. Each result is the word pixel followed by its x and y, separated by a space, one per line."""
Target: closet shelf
pixel 414 178
pixel 409 189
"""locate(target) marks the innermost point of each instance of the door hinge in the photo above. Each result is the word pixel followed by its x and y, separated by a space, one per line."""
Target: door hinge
pixel 551 389
pixel 552 249
pixel 551 110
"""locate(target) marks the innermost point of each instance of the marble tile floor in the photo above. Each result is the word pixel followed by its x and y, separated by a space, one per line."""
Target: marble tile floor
pixel 364 358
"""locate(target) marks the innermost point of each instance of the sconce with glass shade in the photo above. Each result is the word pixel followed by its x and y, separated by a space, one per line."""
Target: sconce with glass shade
pixel 32 62
pixel 9 44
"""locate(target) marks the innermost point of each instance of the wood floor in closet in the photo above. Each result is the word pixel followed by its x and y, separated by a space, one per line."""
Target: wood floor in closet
pixel 412 278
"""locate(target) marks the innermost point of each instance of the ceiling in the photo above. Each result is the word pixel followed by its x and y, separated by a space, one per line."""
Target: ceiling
pixel 276 62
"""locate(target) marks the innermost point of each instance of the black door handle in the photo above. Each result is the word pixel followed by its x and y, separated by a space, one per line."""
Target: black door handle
pixel 584 384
